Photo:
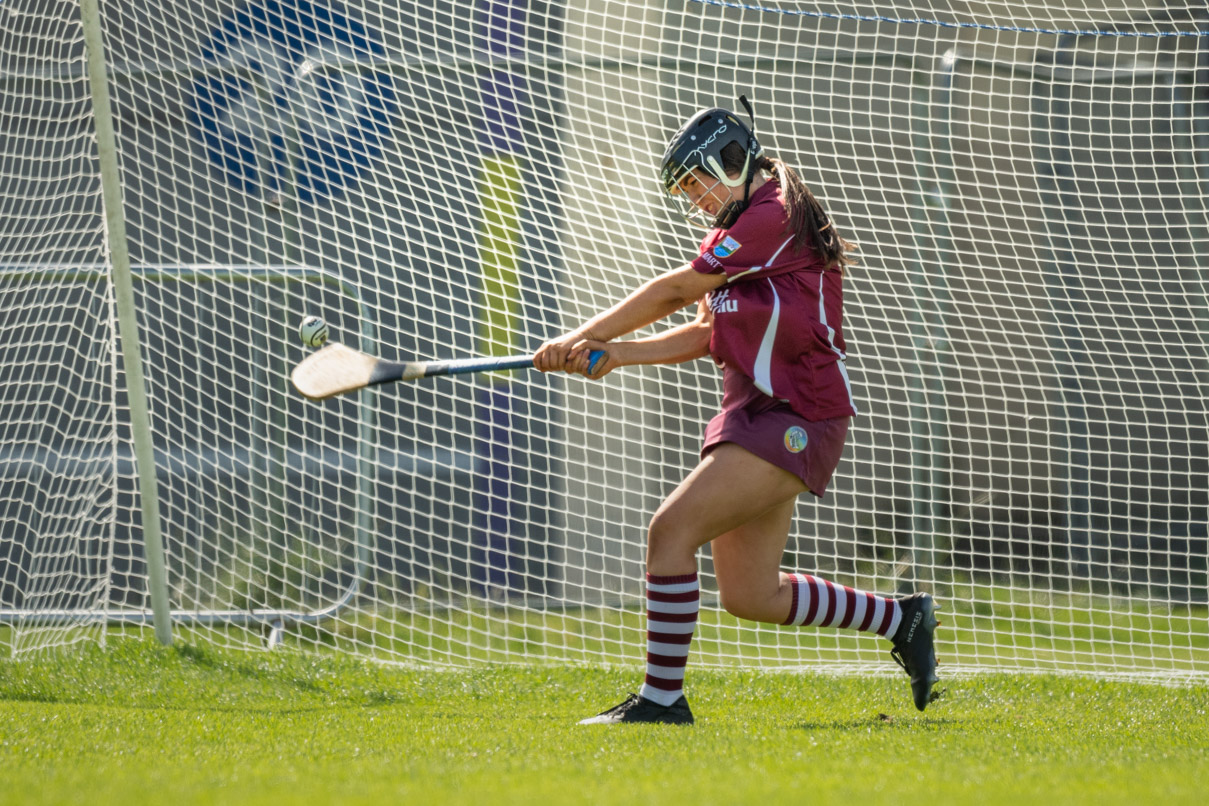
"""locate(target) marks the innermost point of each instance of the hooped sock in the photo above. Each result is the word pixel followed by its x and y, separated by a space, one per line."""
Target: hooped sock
pixel 672 604
pixel 819 603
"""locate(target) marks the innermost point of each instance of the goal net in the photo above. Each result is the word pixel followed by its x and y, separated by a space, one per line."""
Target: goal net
pixel 1028 326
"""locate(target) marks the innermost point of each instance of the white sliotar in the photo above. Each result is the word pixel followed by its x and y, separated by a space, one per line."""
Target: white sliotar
pixel 313 331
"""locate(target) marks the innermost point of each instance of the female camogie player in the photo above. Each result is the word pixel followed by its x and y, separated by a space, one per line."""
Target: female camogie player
pixel 767 284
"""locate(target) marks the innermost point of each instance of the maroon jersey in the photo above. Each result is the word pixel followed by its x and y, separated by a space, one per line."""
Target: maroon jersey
pixel 777 319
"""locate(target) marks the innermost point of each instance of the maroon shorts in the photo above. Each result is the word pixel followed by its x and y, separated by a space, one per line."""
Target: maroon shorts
pixel 779 435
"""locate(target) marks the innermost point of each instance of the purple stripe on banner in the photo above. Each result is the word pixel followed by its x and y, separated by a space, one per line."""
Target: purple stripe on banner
pixel 504 92
pixel 503 96
pixel 492 563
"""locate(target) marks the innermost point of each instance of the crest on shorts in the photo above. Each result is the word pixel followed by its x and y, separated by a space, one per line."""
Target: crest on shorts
pixel 727 248
pixel 795 439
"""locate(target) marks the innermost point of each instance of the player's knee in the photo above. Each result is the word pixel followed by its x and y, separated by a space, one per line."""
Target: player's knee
pixel 668 540
pixel 662 530
pixel 738 603
pixel 748 601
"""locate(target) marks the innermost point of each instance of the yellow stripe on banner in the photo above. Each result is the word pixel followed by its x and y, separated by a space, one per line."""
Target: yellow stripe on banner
pixel 500 196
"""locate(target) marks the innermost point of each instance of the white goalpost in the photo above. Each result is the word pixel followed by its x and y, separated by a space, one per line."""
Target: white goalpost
pixel 182 182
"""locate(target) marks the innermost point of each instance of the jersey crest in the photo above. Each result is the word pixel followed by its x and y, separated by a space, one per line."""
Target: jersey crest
pixel 727 248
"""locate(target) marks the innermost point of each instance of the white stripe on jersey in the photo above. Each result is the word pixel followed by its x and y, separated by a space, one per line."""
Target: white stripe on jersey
pixel 831 343
pixel 771 260
pixel 763 367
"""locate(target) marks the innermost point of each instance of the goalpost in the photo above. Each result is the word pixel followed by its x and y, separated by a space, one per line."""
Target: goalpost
pixel 1028 323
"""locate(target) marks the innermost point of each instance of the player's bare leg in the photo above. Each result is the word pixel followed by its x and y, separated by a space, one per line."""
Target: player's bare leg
pixel 731 487
pixel 747 564
pixel 728 488
pixel 752 586
pixel 745 506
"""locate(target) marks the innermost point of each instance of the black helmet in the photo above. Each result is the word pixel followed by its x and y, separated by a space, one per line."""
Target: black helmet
pixel 699 144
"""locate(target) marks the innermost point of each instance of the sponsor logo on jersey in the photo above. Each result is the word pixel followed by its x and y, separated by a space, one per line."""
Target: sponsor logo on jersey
pixel 795 439
pixel 727 248
pixel 719 302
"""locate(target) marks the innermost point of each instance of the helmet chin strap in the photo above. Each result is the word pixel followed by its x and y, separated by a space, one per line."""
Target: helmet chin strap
pixel 727 215
pixel 730 213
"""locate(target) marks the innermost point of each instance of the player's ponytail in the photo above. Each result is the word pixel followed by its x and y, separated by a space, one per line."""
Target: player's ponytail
pixel 807 219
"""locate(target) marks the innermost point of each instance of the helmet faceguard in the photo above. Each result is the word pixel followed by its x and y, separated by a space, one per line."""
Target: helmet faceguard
pixel 698 144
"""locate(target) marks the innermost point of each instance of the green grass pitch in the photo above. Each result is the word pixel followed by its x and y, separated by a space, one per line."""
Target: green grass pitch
pixel 136 723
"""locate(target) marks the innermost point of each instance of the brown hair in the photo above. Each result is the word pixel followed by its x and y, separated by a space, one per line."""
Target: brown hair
pixel 808 221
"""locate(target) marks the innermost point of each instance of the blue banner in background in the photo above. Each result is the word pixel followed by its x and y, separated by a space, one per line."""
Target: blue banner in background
pixel 291 94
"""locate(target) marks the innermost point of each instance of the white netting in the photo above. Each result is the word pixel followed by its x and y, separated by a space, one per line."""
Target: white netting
pixel 57 418
pixel 1028 325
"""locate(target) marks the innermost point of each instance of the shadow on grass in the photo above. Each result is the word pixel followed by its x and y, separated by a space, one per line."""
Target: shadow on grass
pixel 187 677
pixel 253 669
pixel 879 722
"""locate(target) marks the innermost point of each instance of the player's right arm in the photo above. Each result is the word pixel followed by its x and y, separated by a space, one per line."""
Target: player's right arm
pixel 649 303
pixel 677 345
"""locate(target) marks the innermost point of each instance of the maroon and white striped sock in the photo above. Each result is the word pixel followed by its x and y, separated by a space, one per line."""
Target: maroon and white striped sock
pixel 819 603
pixel 671 617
